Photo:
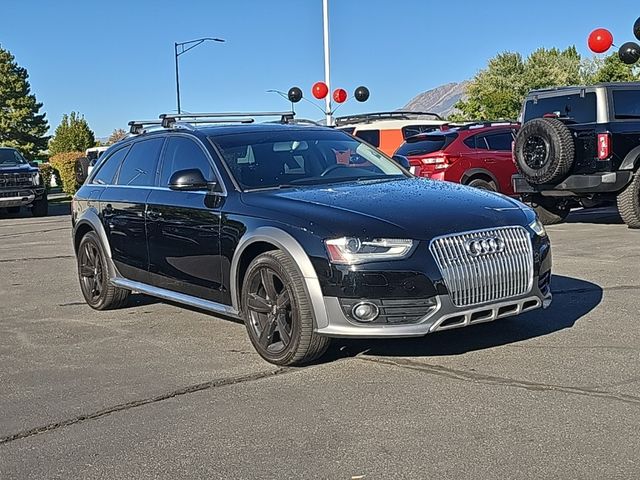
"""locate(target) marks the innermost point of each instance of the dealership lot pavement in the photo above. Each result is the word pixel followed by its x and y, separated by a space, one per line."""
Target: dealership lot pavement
pixel 155 390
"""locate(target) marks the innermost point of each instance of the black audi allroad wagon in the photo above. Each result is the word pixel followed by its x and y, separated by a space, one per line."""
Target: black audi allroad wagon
pixel 304 232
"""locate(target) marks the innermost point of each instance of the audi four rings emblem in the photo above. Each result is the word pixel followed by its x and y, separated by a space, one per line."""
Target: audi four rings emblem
pixel 484 246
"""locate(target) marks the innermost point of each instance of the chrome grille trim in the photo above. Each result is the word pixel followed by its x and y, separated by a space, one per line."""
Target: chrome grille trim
pixel 474 280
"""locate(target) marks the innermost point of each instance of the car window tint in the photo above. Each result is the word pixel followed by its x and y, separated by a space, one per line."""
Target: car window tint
pixel 481 142
pixel 109 166
pixel 425 144
pixel 411 130
pixel 500 141
pixel 470 142
pixel 580 109
pixel 181 154
pixel 626 104
pixel 372 137
pixel 140 165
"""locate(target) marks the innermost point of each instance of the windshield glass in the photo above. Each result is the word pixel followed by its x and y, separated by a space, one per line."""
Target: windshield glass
pixel 626 103
pixel 292 157
pixel 10 158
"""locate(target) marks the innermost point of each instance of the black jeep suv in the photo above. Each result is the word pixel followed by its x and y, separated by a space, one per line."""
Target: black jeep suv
pixel 21 184
pixel 580 146
pixel 301 231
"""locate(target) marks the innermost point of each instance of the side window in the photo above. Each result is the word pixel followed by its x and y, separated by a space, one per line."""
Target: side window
pixel 481 142
pixel 109 167
pixel 372 137
pixel 140 165
pixel 470 142
pixel 181 154
pixel 500 141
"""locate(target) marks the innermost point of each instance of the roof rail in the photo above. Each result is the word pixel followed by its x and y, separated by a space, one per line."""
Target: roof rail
pixel 395 115
pixel 169 119
pixel 137 127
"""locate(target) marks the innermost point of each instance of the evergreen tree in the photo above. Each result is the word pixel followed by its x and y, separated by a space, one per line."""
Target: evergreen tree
pixel 73 134
pixel 21 126
pixel 613 70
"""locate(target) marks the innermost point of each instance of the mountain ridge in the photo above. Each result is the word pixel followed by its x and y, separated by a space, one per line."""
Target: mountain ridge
pixel 440 100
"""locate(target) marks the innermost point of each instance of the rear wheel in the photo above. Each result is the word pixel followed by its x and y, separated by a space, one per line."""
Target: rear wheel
pixel 13 209
pixel 277 311
pixel 550 212
pixel 483 184
pixel 629 202
pixel 94 276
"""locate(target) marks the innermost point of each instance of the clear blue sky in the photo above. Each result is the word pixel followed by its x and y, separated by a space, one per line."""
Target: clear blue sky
pixel 113 60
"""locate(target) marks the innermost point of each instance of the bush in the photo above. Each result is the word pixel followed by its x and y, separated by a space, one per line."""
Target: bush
pixel 65 165
pixel 46 172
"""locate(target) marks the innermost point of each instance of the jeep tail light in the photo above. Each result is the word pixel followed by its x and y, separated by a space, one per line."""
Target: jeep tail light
pixel 604 146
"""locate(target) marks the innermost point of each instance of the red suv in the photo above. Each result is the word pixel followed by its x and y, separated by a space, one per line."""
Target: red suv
pixel 477 154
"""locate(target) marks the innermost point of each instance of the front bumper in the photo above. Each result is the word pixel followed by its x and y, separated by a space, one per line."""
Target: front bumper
pixel 19 198
pixel 595 183
pixel 445 316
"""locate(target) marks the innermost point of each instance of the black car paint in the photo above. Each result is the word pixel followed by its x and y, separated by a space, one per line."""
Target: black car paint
pixel 186 241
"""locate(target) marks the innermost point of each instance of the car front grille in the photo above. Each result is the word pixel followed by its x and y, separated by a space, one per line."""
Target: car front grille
pixel 497 273
pixel 9 180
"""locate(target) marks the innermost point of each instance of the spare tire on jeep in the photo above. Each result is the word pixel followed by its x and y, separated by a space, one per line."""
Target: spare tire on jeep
pixel 544 151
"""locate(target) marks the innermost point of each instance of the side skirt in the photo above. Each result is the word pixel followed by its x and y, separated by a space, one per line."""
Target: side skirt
pixel 176 297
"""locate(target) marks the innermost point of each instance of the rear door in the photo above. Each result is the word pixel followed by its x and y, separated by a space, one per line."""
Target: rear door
pixel 494 150
pixel 183 228
pixel 122 207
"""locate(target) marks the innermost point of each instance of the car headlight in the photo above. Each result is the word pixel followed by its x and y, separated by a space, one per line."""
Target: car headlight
pixel 538 228
pixel 36 179
pixel 351 250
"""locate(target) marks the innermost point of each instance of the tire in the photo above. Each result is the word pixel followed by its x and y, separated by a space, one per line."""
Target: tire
pixel 40 207
pixel 550 212
pixel 82 170
pixel 544 151
pixel 13 210
pixel 277 311
pixel 94 276
pixel 629 202
pixel 483 184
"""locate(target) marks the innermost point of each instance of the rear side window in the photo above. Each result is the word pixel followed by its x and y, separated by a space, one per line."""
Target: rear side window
pixel 577 108
pixel 426 144
pixel 626 104
pixel 372 137
pixel 140 165
pixel 182 154
pixel 500 141
pixel 109 167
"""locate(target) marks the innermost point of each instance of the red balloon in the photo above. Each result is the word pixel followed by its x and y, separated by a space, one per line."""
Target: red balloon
pixel 340 95
pixel 320 90
pixel 600 40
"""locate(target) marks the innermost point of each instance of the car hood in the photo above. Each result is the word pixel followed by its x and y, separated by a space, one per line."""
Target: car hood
pixel 24 168
pixel 413 208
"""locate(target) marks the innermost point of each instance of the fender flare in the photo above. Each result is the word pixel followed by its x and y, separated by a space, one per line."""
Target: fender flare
pixel 285 242
pixel 631 160
pixel 90 218
pixel 479 171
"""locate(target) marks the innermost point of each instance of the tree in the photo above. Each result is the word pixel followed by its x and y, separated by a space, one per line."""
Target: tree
pixel 611 69
pixel 73 134
pixel 21 126
pixel 117 135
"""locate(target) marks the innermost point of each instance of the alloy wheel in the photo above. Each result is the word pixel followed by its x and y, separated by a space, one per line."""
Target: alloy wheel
pixel 91 272
pixel 536 152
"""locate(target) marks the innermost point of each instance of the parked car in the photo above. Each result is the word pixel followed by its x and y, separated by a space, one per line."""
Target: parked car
pixel 387 130
pixel 580 146
pixel 476 154
pixel 93 154
pixel 302 232
pixel 21 184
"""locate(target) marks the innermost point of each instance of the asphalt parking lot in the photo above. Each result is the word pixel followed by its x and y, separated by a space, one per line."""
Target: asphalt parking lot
pixel 155 390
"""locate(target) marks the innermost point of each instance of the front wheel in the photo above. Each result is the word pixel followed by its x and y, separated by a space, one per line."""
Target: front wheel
pixel 629 202
pixel 277 311
pixel 40 207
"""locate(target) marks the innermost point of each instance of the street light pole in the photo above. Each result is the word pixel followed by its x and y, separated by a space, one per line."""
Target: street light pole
pixel 180 48
pixel 327 76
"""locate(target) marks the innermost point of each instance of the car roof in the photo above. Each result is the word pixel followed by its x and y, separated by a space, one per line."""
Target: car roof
pixel 391 124
pixel 585 87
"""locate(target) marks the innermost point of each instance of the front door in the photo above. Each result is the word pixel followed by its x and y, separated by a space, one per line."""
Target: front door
pixel 183 228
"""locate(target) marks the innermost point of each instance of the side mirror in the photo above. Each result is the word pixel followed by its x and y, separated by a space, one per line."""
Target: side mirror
pixel 191 179
pixel 402 161
pixel 34 164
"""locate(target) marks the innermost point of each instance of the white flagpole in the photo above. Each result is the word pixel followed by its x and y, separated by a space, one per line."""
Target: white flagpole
pixel 327 100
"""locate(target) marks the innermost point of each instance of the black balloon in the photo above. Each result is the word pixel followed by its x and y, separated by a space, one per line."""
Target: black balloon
pixel 361 94
pixel 629 53
pixel 294 94
pixel 636 28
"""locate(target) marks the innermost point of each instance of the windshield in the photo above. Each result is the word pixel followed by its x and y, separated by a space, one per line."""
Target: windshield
pixel 301 157
pixel 626 104
pixel 10 158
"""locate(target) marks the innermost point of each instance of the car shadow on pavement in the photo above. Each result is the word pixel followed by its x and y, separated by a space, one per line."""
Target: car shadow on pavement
pixel 573 299
pixel 596 216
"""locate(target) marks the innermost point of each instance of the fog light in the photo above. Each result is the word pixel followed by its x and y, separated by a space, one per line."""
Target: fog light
pixel 365 311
